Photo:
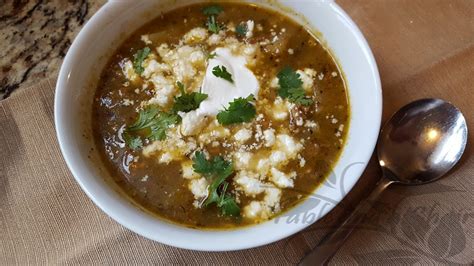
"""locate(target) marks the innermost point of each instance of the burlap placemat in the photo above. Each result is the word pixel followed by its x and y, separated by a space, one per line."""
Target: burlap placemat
pixel 423 49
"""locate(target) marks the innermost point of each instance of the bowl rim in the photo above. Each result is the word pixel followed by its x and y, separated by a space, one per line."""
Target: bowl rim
pixel 62 84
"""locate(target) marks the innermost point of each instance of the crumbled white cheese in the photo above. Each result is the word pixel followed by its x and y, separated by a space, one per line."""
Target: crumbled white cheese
pixel 253 210
pixel 127 70
pixel 152 66
pixel 213 132
pixel 174 144
pixel 166 158
pixel 127 102
pixel 272 197
pixel 242 159
pixel 145 39
pixel 263 166
pixel 243 135
pixel 195 35
pixel 265 208
pixel 281 179
pixel 214 39
pixel 258 131
pixel 249 183
pixel 299 121
pixel 269 136
pixel 291 51
pixel 250 26
pixel 334 74
pixel 307 77
pixel 188 170
pixel 198 187
pixel 279 110
pixel 164 90
pixel 278 158
pixel 310 124
pixel 144 178
pixel 287 144
pixel 192 123
pixel 274 83
pixel 185 61
pixel 302 161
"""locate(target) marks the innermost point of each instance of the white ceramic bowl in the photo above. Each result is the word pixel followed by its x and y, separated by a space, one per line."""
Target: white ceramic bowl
pixel 98 40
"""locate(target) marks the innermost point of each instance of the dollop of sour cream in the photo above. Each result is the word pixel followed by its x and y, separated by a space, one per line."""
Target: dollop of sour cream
pixel 221 91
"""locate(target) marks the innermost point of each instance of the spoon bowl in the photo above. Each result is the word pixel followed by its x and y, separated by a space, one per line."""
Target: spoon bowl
pixel 422 142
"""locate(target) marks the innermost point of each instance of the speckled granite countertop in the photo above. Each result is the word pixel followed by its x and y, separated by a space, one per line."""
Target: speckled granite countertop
pixel 35 36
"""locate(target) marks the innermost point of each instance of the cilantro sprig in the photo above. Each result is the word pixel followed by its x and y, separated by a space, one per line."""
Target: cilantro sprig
pixel 239 111
pixel 187 101
pixel 211 55
pixel 241 30
pixel 221 72
pixel 291 87
pixel 212 12
pixel 216 170
pixel 138 59
pixel 134 142
pixel 152 124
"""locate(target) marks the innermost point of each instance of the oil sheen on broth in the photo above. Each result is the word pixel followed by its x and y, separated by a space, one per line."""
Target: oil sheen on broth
pixel 156 125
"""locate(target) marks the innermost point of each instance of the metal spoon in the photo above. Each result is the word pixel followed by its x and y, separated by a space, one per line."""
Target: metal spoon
pixel 420 143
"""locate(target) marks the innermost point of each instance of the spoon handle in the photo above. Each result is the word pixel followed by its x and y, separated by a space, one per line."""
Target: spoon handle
pixel 331 243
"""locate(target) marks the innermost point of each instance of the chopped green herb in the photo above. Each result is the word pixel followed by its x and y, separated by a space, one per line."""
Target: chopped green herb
pixel 212 25
pixel 239 111
pixel 291 87
pixel 180 86
pixel 138 59
pixel 216 170
pixel 221 72
pixel 212 10
pixel 187 101
pixel 154 123
pixel 227 203
pixel 133 142
pixel 211 56
pixel 241 29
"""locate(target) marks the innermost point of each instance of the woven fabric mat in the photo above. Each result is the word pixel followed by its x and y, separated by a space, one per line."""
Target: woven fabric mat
pixel 424 48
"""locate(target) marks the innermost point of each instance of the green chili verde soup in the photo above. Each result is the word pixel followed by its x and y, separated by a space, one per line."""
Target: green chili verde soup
pixel 220 115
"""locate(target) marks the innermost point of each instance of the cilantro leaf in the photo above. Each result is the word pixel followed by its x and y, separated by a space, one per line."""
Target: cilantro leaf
pixel 227 203
pixel 154 123
pixel 298 96
pixel 221 72
pixel 138 59
pixel 145 118
pixel 212 25
pixel 241 29
pixel 216 170
pixel 133 142
pixel 239 111
pixel 212 10
pixel 291 87
pixel 211 55
pixel 217 166
pixel 162 122
pixel 187 101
